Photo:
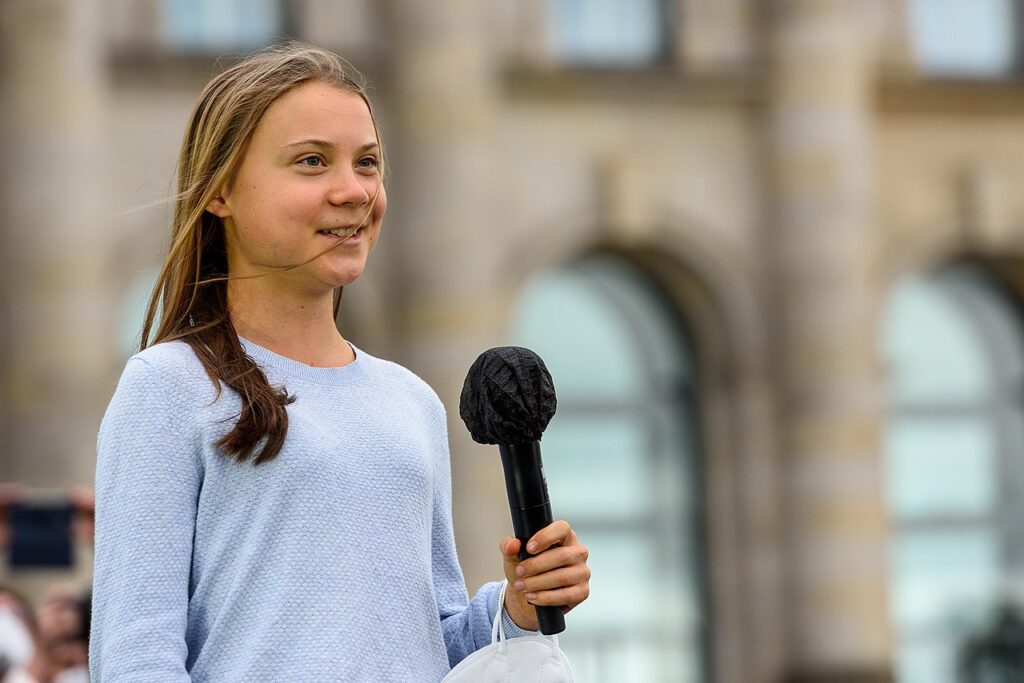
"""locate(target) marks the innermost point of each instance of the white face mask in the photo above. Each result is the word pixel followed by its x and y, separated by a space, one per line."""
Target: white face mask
pixel 16 645
pixel 533 659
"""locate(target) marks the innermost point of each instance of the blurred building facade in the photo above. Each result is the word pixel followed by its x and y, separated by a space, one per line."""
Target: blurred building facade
pixel 768 249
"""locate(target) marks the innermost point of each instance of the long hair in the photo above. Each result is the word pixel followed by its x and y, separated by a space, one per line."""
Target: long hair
pixel 189 301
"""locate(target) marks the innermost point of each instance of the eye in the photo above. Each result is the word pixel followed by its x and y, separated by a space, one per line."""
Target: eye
pixel 316 158
pixel 368 162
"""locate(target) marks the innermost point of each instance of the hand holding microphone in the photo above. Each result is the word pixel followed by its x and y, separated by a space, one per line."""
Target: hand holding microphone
pixel 508 399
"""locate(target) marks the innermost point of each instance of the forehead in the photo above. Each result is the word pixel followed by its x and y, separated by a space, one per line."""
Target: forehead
pixel 316 110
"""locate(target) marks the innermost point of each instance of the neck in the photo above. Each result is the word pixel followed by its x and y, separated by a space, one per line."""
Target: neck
pixel 295 324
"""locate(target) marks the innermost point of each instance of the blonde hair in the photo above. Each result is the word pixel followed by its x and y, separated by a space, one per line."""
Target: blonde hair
pixel 190 296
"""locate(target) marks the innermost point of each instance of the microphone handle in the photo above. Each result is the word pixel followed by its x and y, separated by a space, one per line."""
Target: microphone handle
pixel 531 511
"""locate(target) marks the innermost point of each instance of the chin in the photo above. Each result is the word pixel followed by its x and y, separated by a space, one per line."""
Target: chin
pixel 342 277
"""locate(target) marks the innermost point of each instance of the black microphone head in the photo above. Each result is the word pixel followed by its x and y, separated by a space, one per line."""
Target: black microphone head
pixel 508 397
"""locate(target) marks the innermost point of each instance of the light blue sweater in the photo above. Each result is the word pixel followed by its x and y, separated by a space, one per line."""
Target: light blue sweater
pixel 333 562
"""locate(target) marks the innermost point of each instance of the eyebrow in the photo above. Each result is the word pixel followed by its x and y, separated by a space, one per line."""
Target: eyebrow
pixel 326 144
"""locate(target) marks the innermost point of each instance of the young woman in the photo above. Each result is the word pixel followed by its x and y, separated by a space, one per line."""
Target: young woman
pixel 272 502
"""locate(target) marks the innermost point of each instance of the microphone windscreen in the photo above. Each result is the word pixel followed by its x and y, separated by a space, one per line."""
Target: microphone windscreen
pixel 508 397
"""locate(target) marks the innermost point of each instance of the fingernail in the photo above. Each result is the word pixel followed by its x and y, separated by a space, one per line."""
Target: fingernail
pixel 532 547
pixel 531 596
pixel 520 585
pixel 520 571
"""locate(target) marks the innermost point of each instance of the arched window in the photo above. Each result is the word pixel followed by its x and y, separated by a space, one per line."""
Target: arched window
pixel 622 464
pixel 953 345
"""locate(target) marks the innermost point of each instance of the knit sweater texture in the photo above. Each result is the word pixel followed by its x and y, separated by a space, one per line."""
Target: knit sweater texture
pixel 335 561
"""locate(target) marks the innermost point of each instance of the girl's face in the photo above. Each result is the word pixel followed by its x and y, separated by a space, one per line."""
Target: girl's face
pixel 312 165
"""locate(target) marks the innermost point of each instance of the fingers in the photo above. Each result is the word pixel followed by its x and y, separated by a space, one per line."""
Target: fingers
pixel 558 532
pixel 556 574
pixel 569 596
pixel 509 547
pixel 555 579
pixel 553 559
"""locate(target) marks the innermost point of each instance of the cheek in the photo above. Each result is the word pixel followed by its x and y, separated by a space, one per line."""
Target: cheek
pixel 281 216
pixel 286 204
pixel 304 201
pixel 272 197
pixel 379 210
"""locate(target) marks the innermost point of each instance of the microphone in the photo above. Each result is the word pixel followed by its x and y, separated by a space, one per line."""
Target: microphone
pixel 508 399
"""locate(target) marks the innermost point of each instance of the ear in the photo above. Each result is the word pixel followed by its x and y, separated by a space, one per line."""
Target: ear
pixel 218 207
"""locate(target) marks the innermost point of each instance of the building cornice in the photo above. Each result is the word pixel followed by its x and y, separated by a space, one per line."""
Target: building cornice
pixel 631 85
pixel 903 94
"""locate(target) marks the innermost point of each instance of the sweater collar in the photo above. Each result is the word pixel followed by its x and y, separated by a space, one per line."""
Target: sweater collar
pixel 291 368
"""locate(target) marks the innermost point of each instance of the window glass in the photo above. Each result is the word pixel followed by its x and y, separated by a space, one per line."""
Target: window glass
pixel 954 464
pixel 607 31
pixel 601 364
pixel 133 311
pixel 931 348
pixel 198 25
pixel 942 577
pixel 598 454
pixel 968 38
pixel 959 455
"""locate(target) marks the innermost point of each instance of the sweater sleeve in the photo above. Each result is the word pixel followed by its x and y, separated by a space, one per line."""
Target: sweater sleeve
pixel 466 624
pixel 148 476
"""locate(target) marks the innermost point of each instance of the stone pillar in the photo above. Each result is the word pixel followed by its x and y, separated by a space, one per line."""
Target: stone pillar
pixel 821 246
pixel 53 363
pixel 53 171
pixel 714 35
pixel 441 236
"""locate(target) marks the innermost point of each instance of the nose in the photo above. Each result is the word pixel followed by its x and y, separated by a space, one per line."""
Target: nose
pixel 348 189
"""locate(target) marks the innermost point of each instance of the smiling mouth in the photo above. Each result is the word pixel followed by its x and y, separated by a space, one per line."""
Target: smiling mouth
pixel 344 232
pixel 345 235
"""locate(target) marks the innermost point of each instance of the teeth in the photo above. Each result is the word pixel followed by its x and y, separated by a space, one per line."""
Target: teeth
pixel 342 232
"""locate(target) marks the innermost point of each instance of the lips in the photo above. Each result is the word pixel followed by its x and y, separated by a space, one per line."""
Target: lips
pixel 353 238
pixel 342 231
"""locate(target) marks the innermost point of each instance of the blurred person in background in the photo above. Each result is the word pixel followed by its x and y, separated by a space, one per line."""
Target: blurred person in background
pixel 57 646
pixel 224 550
pixel 17 631
pixel 48 645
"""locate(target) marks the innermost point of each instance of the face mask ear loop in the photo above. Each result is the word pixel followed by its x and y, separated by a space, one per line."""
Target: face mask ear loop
pixel 498 628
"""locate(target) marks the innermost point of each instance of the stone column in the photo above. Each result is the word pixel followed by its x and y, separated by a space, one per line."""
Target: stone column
pixel 714 35
pixel 441 236
pixel 821 245
pixel 53 238
pixel 53 362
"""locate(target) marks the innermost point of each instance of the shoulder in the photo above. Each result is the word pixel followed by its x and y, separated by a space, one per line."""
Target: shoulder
pixel 157 410
pixel 171 368
pixel 396 377
pixel 174 359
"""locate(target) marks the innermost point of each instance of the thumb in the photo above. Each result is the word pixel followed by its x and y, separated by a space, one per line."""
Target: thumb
pixel 509 547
